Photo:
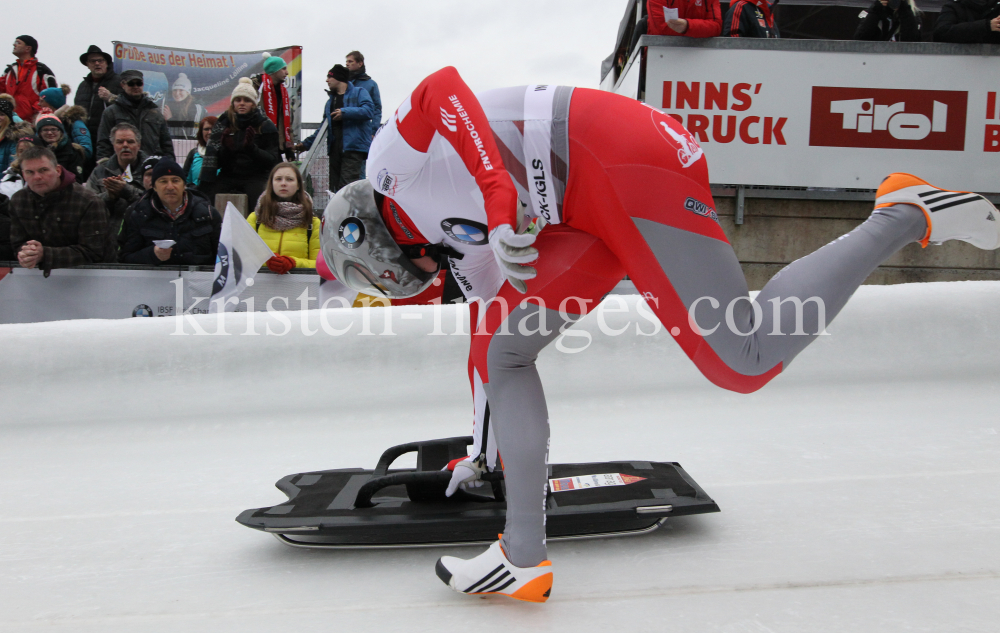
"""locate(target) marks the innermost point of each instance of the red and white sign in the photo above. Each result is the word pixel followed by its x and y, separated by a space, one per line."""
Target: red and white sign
pixel 592 481
pixel 820 118
pixel 894 119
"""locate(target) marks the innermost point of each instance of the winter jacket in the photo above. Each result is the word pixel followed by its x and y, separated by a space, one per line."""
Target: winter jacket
pixel 25 81
pixel 358 110
pixel 86 97
pixel 70 222
pixel 196 232
pixel 967 22
pixel 70 155
pixel 704 17
pixel 8 142
pixel 117 207
pixel 361 79
pixel 296 243
pixel 247 152
pixel 74 119
pixel 883 24
pixel 7 253
pixel 192 166
pixel 145 116
pixel 747 18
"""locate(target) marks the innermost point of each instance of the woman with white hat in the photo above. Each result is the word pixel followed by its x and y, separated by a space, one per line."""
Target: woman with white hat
pixel 242 148
pixel 182 110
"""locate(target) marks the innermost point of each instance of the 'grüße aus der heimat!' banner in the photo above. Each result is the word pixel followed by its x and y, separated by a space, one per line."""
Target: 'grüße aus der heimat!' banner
pixel 189 85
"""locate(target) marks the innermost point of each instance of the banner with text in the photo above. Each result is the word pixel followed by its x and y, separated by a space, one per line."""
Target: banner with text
pixel 189 85
pixel 833 119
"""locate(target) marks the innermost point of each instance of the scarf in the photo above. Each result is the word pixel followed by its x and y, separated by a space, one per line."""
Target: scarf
pixel 173 214
pixel 271 100
pixel 288 216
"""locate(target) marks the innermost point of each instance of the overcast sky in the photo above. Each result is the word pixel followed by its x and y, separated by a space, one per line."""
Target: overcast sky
pixel 493 44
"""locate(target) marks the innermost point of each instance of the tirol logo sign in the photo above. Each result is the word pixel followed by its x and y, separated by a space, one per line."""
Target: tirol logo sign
pixel 888 118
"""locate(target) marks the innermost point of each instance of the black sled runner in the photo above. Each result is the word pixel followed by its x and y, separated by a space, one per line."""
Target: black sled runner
pixel 351 508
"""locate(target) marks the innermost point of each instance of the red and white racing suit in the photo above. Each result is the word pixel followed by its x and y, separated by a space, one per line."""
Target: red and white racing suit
pixel 624 190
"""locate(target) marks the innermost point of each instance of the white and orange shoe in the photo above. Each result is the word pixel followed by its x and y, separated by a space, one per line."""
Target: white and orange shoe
pixel 951 215
pixel 492 573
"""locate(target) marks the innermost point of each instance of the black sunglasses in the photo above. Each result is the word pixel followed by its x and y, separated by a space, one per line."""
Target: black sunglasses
pixel 135 83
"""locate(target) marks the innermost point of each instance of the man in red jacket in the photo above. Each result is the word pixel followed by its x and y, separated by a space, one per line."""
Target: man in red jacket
pixel 26 78
pixel 690 18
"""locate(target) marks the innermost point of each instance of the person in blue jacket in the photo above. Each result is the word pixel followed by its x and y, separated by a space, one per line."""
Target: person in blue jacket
pixel 347 114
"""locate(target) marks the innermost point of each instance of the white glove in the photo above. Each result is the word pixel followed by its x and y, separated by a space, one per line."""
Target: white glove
pixel 467 474
pixel 512 252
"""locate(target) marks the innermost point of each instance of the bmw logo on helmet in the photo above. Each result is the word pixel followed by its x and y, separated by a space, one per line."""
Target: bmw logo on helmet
pixel 352 233
pixel 465 231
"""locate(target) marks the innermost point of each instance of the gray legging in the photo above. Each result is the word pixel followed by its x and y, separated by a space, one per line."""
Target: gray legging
pixel 696 267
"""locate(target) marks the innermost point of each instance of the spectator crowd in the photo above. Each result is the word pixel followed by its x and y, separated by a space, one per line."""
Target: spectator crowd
pixel 95 180
pixel 960 21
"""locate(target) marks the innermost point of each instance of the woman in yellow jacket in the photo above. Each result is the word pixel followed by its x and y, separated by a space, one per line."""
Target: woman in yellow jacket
pixel 284 219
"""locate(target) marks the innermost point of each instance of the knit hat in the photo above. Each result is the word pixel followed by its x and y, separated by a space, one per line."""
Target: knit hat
pixel 7 108
pixel 182 83
pixel 30 41
pixel 55 97
pixel 130 74
pixel 244 89
pixel 340 73
pixel 272 63
pixel 167 167
pixel 148 164
pixel 48 120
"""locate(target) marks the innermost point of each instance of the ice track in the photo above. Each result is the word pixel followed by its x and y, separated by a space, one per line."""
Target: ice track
pixel 860 490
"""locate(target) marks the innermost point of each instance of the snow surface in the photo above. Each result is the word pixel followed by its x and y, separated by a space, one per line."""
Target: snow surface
pixel 860 490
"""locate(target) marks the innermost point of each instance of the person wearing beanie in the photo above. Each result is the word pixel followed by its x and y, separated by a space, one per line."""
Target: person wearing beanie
pixel 53 101
pixel 53 98
pixel 51 133
pixel 275 102
pixel 10 132
pixel 135 107
pixel 169 211
pixel 183 112
pixel 355 64
pixel 348 113
pixel 97 88
pixel 242 148
pixel 26 78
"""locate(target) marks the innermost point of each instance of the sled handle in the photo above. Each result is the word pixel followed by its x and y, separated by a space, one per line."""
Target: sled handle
pixel 393 452
pixel 367 491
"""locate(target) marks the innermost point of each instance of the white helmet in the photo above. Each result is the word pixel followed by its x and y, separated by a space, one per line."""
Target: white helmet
pixel 361 252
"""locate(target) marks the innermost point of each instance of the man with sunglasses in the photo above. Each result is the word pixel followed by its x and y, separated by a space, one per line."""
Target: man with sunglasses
pixel 135 107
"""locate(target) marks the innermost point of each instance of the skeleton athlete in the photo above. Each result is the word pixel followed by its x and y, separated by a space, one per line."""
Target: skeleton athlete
pixel 623 189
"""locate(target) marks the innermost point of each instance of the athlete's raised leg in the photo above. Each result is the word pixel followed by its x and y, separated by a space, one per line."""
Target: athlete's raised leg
pixel 650 203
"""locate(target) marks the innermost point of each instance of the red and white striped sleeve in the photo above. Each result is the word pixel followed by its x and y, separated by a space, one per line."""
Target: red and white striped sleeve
pixel 444 104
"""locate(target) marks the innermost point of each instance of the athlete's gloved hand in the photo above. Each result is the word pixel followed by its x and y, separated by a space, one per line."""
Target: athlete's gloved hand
pixel 512 252
pixel 465 473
